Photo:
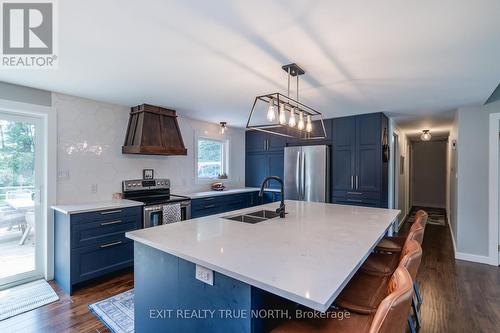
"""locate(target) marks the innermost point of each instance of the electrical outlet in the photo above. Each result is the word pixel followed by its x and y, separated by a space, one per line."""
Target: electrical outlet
pixel 93 188
pixel 205 275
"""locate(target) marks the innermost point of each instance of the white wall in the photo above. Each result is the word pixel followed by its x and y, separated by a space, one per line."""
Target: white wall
pixel 90 137
pixel 429 174
pixel 471 182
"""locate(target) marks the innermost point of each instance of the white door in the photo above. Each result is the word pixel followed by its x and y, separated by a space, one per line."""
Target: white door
pixel 21 181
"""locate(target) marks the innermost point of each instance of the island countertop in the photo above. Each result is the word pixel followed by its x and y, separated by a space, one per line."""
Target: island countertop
pixel 307 257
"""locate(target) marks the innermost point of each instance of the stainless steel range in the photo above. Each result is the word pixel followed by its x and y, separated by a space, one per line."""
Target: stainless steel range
pixel 155 194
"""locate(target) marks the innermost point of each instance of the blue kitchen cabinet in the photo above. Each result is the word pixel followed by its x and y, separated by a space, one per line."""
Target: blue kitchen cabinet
pixel 217 204
pixel 317 131
pixel 260 165
pixel 92 244
pixel 258 141
pixel 359 173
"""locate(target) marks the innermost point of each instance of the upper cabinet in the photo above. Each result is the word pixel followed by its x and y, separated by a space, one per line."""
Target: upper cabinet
pixel 359 173
pixel 257 141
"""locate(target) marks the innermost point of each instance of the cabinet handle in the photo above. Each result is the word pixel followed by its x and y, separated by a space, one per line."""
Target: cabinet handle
pixel 208 206
pixel 111 212
pixel 354 200
pixel 110 244
pixel 265 144
pixel 352 181
pixel 357 193
pixel 357 184
pixel 111 222
pixel 208 199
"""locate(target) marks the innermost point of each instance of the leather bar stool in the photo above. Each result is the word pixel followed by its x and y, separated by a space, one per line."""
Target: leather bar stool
pixel 395 243
pixel 384 263
pixel 390 317
pixel 364 292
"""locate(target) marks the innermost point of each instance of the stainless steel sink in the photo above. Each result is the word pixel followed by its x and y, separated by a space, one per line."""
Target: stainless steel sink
pixel 253 217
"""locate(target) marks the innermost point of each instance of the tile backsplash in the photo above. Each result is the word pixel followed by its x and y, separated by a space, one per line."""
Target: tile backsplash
pixel 90 163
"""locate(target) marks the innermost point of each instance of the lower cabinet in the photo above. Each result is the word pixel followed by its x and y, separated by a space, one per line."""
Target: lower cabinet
pixel 90 245
pixel 225 203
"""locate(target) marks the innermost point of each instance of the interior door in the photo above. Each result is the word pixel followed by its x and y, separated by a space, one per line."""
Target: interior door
pixel 292 173
pixel 21 181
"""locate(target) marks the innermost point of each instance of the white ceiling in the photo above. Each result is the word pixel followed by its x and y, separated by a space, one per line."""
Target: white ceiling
pixel 208 59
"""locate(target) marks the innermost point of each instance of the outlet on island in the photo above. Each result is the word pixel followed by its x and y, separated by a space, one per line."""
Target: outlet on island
pixel 205 275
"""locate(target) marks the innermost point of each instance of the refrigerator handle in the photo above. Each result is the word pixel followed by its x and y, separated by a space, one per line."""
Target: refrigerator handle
pixel 303 168
pixel 297 175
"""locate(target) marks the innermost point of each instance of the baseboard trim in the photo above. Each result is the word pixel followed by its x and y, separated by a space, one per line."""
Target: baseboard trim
pixel 473 257
pixel 467 256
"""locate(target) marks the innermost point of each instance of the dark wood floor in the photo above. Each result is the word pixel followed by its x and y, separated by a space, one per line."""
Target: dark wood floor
pixel 458 296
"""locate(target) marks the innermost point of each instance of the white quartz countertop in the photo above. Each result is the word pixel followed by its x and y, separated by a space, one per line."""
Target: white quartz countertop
pixel 197 195
pixel 307 257
pixel 95 206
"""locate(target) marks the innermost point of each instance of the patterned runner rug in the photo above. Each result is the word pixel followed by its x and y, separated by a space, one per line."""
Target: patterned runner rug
pixel 116 312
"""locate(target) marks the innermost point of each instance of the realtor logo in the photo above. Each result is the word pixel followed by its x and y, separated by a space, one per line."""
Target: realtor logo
pixel 28 32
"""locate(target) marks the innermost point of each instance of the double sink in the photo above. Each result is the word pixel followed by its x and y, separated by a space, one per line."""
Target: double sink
pixel 254 217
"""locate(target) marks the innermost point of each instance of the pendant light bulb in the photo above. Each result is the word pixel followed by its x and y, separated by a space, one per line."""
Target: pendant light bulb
pixel 301 125
pixel 271 112
pixel 282 116
pixel 426 136
pixel 292 121
pixel 309 124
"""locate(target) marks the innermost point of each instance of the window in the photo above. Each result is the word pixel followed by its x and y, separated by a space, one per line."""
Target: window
pixel 211 158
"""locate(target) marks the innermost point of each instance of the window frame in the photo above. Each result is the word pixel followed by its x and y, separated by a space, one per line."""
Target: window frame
pixel 225 157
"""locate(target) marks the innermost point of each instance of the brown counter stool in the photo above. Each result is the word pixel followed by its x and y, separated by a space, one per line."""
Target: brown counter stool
pixel 365 291
pixel 390 317
pixel 395 243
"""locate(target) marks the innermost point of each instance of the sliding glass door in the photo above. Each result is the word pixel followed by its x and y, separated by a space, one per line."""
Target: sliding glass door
pixel 21 167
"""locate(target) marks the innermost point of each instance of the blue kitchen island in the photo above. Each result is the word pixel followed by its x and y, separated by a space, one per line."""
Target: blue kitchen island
pixel 250 275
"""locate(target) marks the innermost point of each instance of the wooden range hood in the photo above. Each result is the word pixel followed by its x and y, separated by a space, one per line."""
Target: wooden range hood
pixel 153 130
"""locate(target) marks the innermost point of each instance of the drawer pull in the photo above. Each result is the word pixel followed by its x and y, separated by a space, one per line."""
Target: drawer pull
pixel 354 200
pixel 111 222
pixel 357 193
pixel 208 199
pixel 208 206
pixel 111 212
pixel 110 244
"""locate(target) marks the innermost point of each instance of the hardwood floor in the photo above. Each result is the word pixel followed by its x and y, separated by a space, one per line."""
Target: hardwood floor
pixel 458 296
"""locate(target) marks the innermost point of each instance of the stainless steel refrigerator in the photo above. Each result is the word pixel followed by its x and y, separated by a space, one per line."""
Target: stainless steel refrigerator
pixel 307 173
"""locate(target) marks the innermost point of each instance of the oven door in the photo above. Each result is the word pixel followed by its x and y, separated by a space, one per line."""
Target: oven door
pixel 153 215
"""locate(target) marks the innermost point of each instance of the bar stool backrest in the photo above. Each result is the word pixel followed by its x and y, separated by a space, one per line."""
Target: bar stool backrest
pixel 392 313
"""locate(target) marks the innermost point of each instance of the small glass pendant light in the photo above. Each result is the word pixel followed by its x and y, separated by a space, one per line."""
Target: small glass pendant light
pixel 292 121
pixel 301 125
pixel 271 112
pixel 309 124
pixel 282 116
pixel 426 136
pixel 223 127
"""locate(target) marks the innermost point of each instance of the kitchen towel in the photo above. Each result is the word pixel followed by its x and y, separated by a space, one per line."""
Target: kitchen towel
pixel 171 213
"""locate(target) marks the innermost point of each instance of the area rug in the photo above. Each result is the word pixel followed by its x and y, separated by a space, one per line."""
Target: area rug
pixel 26 297
pixel 437 216
pixel 116 312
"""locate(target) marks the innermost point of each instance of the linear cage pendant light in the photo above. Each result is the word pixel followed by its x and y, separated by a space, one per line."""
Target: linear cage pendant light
pixel 282 115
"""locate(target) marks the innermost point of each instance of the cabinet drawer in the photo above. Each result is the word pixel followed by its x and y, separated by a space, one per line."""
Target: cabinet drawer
pixel 93 261
pixel 356 202
pixel 85 234
pixel 354 194
pixel 106 215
